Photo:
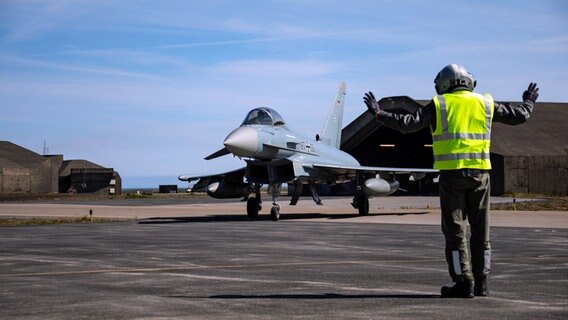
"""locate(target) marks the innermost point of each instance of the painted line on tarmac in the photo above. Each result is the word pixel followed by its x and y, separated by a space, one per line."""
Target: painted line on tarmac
pixel 202 267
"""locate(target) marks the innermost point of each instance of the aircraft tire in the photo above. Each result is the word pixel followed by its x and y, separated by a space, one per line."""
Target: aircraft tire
pixel 253 207
pixel 275 213
pixel 363 205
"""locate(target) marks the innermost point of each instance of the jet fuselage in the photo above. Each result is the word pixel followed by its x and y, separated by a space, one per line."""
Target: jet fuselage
pixel 265 143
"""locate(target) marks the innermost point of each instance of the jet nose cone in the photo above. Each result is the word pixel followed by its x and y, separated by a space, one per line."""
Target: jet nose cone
pixel 242 142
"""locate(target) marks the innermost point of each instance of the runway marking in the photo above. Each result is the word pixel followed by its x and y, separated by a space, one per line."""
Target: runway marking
pixel 552 306
pixel 337 286
pixel 198 267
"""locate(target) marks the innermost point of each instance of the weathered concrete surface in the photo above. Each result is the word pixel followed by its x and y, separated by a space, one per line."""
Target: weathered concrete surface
pixel 208 261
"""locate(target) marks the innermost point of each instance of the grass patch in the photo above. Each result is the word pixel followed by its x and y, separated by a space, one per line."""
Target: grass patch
pixel 37 221
pixel 541 204
pixel 22 197
pixel 137 196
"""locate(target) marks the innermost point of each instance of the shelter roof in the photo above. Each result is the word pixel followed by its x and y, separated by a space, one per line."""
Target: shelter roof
pixel 545 133
pixel 67 165
pixel 14 156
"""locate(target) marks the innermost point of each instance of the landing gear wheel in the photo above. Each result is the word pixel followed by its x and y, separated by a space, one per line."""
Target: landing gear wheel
pixel 253 207
pixel 275 213
pixel 363 205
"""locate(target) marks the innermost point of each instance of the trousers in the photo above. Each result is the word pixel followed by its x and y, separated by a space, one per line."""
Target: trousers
pixel 464 197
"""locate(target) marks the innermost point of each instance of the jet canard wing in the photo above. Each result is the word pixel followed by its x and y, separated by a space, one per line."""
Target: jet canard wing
pixel 217 154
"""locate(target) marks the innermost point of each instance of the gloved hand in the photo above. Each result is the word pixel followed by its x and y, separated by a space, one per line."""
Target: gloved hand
pixel 371 103
pixel 531 93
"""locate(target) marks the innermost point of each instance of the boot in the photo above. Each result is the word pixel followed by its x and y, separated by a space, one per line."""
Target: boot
pixel 463 289
pixel 480 288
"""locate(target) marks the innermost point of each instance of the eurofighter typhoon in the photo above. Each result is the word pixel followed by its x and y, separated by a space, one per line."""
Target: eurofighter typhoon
pixel 274 154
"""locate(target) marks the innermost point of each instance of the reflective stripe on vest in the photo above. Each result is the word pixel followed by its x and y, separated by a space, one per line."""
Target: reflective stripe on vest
pixel 456 150
pixel 461 156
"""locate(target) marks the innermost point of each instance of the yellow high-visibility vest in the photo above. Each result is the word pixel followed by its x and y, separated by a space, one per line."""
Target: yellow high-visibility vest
pixel 462 137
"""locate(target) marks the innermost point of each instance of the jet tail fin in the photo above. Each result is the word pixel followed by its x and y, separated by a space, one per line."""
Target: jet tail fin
pixel 331 132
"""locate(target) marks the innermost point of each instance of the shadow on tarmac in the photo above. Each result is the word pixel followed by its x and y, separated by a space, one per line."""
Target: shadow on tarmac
pixel 317 296
pixel 265 217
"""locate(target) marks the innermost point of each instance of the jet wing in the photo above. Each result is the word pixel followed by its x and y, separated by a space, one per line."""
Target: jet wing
pixel 234 174
pixel 351 170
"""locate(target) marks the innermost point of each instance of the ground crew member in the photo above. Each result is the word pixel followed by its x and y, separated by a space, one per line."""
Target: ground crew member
pixel 460 123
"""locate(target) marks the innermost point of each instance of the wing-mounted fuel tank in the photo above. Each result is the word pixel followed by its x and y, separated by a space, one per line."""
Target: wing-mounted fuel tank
pixel 380 187
pixel 228 190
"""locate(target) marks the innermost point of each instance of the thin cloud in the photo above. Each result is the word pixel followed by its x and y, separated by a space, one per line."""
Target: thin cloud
pixel 13 60
pixel 28 21
pixel 275 68
pixel 218 43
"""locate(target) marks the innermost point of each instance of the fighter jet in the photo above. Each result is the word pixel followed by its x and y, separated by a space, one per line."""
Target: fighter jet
pixel 274 154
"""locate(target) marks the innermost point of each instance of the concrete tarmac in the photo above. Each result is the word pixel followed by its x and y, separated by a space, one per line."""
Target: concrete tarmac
pixel 207 261
pixel 397 210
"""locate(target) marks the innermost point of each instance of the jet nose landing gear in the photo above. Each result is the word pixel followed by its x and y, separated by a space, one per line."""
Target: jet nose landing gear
pixel 274 190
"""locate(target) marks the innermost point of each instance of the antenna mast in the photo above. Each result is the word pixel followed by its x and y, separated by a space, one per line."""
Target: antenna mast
pixel 45 148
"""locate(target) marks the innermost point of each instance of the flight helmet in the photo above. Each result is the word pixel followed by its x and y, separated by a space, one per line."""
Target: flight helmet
pixel 454 76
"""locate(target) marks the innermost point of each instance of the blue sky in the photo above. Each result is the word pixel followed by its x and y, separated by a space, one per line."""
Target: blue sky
pixel 151 87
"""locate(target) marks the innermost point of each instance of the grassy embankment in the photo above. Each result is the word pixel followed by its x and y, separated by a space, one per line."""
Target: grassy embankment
pixel 541 203
pixel 36 221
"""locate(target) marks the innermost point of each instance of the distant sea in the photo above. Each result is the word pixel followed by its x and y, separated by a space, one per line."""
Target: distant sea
pixel 152 182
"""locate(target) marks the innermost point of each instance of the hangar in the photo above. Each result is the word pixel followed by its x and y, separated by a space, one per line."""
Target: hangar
pixel 24 171
pixel 529 158
pixel 82 176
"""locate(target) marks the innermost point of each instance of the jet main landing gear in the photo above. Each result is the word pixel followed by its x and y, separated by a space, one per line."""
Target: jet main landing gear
pixel 362 204
pixel 254 204
pixel 275 212
pixel 360 200
pixel 253 207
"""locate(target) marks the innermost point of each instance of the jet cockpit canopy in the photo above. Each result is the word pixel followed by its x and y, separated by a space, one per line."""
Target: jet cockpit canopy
pixel 263 116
